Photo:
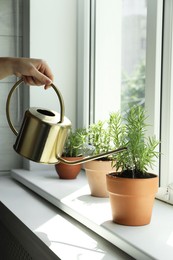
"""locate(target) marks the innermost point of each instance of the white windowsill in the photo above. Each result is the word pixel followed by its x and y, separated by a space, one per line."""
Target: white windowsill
pixel 45 231
pixel 154 241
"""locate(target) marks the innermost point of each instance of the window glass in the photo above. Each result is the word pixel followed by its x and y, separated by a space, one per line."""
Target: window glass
pixel 120 55
pixel 133 53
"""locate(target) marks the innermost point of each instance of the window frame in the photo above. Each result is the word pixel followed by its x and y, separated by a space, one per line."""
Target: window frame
pixel 154 57
pixel 166 164
pixel 83 62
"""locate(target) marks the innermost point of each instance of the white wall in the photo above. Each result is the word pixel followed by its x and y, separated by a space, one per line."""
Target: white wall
pixel 53 38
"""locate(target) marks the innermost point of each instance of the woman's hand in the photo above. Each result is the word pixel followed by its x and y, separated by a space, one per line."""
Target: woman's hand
pixel 32 71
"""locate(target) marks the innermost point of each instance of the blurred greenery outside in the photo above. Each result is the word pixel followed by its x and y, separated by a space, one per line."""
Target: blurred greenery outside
pixel 133 88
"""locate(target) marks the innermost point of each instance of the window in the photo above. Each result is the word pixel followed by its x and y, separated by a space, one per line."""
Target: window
pixel 124 49
pixel 128 60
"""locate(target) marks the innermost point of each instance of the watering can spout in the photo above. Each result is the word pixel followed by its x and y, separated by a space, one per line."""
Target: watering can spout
pixel 91 158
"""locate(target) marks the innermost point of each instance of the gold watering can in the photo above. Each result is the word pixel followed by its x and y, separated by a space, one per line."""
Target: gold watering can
pixel 43 133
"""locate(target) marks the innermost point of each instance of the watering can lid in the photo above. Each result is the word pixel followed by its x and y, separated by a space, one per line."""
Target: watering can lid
pixel 49 116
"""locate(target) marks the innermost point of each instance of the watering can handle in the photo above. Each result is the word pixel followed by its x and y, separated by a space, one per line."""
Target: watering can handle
pixel 62 110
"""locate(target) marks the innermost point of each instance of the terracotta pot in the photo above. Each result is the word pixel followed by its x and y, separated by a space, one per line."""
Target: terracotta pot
pixel 66 171
pixel 96 174
pixel 132 199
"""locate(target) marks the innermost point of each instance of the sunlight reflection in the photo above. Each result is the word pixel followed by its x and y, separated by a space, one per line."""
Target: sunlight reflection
pixel 64 238
pixel 170 240
pixel 91 207
pixel 79 192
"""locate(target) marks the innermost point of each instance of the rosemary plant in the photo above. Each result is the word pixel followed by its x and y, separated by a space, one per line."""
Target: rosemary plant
pixel 105 135
pixel 98 137
pixel 141 152
pixel 75 144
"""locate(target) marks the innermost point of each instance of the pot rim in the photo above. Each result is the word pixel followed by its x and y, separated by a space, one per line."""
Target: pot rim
pixel 109 175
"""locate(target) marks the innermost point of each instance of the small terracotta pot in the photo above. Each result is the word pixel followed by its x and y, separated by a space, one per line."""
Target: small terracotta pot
pixel 96 174
pixel 66 171
pixel 132 199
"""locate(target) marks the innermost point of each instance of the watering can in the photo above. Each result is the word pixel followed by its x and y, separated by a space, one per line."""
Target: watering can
pixel 43 133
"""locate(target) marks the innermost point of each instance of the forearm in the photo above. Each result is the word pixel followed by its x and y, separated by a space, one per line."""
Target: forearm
pixel 6 67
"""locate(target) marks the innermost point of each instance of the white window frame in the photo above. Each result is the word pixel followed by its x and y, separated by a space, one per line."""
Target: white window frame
pixel 83 63
pixel 153 69
pixel 167 98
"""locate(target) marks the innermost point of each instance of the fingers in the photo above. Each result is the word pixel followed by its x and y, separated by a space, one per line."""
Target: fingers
pixel 38 79
pixel 33 71
pixel 31 81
